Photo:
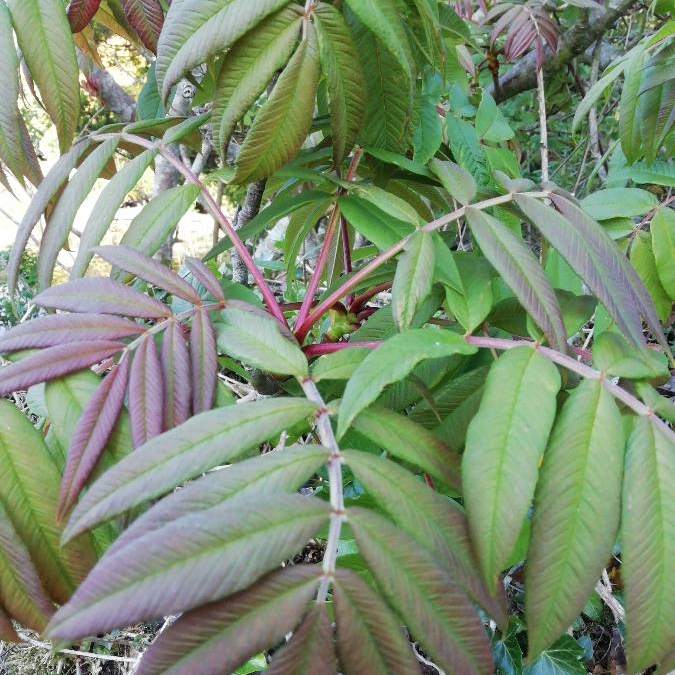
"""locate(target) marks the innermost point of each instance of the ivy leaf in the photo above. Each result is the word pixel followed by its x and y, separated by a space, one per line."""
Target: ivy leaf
pixel 158 219
pixel 437 612
pixel 166 572
pixel 53 65
pixel 383 19
pixel 230 631
pixel 248 68
pixel 565 657
pixel 504 445
pixel 648 543
pixel 344 79
pixel 369 635
pixel 194 30
pixel 146 18
pixel 413 278
pixel 310 649
pixel 515 262
pixel 282 124
pixel 29 485
pixel 257 340
pixel 435 521
pixel 392 362
pixel 576 512
pixel 204 441
pixel 106 207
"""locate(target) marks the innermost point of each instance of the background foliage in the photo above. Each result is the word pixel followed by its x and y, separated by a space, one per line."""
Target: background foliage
pixel 457 419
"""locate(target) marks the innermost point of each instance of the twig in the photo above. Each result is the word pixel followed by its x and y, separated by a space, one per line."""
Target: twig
pixel 604 589
pixel 75 652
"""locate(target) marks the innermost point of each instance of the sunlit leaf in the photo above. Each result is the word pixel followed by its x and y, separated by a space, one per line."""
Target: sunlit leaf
pixel 81 12
pixel 222 635
pixel 438 613
pixel 257 340
pixel 413 278
pixel 392 362
pixel 204 441
pixel 648 543
pixel 576 512
pixel 281 125
pixel 504 445
pixel 370 637
pixel 229 547
pixel 146 18
pixel 43 33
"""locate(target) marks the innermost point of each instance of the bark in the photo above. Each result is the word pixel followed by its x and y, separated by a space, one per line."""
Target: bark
pixel 523 76
pixel 246 213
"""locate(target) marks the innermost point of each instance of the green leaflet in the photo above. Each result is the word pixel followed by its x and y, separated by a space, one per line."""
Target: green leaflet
pixel 21 591
pixel 340 64
pixel 642 257
pixel 106 208
pixel 455 179
pixel 310 648
pixel 516 263
pixel 149 105
pixel 158 218
pixel 248 68
pixel 380 227
pixel 437 612
pixel 230 631
pixel 194 30
pixel 383 18
pixel 471 298
pixel 630 121
pixel 204 441
pixel 43 33
pixel 436 522
pixel 613 355
pixel 229 547
pixel 399 436
pixel 648 543
pixel 282 124
pixel 256 339
pixel 29 488
pixel 369 636
pixel 618 203
pixel 339 365
pixel 576 512
pixel 467 149
pixel 387 123
pixel 491 125
pixel 504 445
pixel 663 244
pixel 60 221
pixel 413 278
pixel 392 362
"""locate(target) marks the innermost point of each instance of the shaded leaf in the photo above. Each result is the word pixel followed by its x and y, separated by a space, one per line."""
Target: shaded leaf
pixel 158 219
pixel 618 203
pixel 344 79
pixel 663 244
pixel 29 484
pixel 97 294
pixel 565 657
pixel 7 632
pixel 648 543
pixel 204 441
pixel 576 512
pixel 55 329
pixel 437 612
pixel 310 649
pixel 339 365
pixel 176 369
pixel 146 395
pixel 21 591
pixel 504 445
pixel 91 434
pixel 643 259
pixel 81 12
pixel 230 546
pixel 436 522
pixel 370 637
pixel 205 277
pixel 222 635
pixel 392 362
pixel 106 207
pixel 197 29
pixel 456 180
pixel 248 68
pixel 282 124
pixel 257 340
pixel 613 355
pixel 53 362
pixel 516 264
pixel 203 362
pixel 53 64
pixel 470 298
pixel 491 124
pixel 413 278
pixel 403 438
pixel 146 18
